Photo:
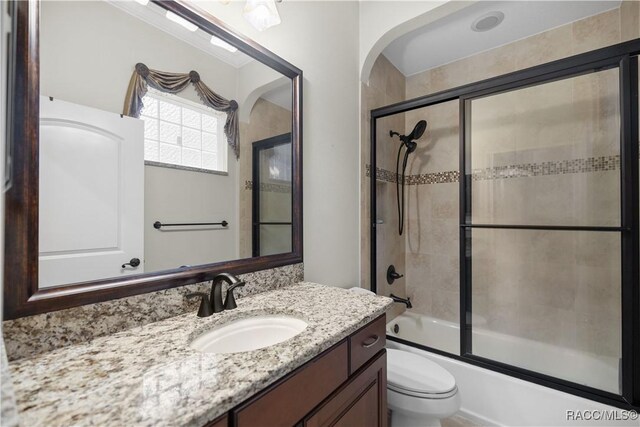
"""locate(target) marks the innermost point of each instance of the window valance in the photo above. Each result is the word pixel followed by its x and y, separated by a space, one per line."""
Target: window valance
pixel 177 82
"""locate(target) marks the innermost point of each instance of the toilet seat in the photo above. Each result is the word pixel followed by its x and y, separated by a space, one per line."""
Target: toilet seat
pixel 422 395
pixel 413 375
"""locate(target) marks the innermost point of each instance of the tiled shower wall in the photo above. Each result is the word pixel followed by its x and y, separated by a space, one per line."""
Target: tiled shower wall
pixel 266 120
pixel 386 86
pixel 567 293
pixel 432 242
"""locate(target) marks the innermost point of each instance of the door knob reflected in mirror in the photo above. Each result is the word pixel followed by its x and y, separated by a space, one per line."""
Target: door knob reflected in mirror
pixel 134 262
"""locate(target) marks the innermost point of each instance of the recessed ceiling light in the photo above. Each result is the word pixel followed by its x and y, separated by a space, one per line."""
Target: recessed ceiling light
pixel 143 2
pixel 180 20
pixel 223 44
pixel 487 22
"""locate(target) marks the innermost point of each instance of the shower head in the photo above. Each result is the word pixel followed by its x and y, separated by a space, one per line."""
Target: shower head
pixel 416 133
pixel 418 130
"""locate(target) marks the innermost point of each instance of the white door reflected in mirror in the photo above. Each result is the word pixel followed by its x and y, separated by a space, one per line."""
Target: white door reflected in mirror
pixel 91 193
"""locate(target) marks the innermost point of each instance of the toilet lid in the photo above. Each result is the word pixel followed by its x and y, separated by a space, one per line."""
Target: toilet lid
pixel 417 375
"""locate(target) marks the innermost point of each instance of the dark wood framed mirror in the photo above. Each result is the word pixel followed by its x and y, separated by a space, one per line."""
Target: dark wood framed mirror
pixel 30 171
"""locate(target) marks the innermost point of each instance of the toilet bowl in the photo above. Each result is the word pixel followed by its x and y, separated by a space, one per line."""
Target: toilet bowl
pixel 419 392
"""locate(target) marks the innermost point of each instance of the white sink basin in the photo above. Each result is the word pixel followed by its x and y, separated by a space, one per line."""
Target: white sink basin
pixel 249 334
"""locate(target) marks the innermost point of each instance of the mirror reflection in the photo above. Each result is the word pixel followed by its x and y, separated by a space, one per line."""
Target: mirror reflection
pixel 161 146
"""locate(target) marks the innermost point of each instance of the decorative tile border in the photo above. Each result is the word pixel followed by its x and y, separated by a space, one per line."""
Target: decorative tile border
pixel 382 174
pixel 425 178
pixel 433 178
pixel 270 187
pixel 562 167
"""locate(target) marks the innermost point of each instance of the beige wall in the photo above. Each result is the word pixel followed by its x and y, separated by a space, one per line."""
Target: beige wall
pixel 321 38
pixel 266 120
pixel 174 195
pixel 561 289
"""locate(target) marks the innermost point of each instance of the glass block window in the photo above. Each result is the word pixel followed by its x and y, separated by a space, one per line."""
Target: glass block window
pixel 178 132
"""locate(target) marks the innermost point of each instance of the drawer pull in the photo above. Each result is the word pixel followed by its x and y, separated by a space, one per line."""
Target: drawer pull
pixel 371 341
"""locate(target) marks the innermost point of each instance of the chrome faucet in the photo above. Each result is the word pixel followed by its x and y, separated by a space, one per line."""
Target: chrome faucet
pixel 214 304
pixel 405 301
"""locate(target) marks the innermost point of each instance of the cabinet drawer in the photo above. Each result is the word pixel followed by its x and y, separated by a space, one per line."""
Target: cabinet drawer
pixel 361 402
pixel 366 342
pixel 222 421
pixel 291 398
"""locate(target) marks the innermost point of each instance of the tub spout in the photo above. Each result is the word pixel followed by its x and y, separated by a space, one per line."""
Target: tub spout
pixel 405 301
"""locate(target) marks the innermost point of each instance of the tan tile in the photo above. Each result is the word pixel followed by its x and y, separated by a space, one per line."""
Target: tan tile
pixel 445 200
pixel 551 285
pixel 417 265
pixel 601 250
pixel 445 305
pixel 602 339
pixel 545 47
pixel 417 241
pixel 629 20
pixel 597 31
pixel 395 85
pixel 377 78
pixel 450 75
pixel 492 63
pixel 421 298
pixel 418 85
pixel 444 271
pixel 550 247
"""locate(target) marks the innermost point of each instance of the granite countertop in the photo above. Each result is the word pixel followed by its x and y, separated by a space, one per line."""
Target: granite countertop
pixel 149 376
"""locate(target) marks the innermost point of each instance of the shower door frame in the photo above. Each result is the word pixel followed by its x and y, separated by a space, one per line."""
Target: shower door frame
pixel 624 57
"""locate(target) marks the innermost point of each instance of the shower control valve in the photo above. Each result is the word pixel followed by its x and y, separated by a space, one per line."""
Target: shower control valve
pixel 392 274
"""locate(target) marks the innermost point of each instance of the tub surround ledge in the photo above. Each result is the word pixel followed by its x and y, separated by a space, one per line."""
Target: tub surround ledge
pixel 149 376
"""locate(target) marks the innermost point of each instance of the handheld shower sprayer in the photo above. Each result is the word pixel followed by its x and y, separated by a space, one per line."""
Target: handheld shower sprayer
pixel 409 140
pixel 409 143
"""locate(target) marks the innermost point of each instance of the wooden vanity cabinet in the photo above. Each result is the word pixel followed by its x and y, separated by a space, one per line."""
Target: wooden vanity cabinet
pixel 361 402
pixel 344 386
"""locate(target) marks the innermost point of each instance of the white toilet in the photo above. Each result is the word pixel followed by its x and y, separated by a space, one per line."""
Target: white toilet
pixel 419 392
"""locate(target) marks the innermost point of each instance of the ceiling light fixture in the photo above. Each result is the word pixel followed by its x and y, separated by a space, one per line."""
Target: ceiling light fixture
pixel 487 22
pixel 142 2
pixel 223 44
pixel 180 20
pixel 262 14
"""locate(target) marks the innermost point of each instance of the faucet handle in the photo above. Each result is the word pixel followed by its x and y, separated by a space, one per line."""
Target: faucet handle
pixel 230 302
pixel 205 309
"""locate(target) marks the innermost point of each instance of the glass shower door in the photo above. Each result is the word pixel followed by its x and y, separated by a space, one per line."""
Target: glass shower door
pixel 543 228
pixel 272 232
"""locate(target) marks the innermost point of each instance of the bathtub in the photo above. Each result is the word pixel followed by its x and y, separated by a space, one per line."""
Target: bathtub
pixel 491 398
